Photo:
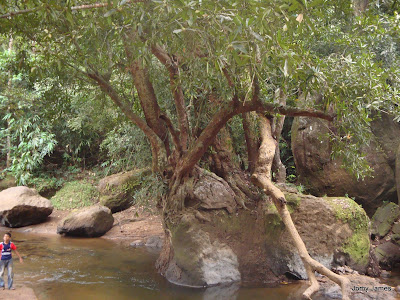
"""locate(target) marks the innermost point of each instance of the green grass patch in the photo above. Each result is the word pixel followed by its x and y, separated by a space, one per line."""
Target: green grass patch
pixel 75 194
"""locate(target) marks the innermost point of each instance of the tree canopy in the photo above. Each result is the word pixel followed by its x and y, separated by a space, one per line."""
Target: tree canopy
pixel 161 60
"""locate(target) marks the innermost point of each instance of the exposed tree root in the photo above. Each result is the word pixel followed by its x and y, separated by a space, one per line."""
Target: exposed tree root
pixel 262 178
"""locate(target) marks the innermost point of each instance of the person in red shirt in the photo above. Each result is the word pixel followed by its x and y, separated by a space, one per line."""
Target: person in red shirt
pixel 6 260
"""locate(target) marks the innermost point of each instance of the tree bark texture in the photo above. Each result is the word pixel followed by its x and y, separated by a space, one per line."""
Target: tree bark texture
pixel 225 167
pixel 278 168
pixel 262 178
pixel 250 134
pixel 172 66
pixel 148 101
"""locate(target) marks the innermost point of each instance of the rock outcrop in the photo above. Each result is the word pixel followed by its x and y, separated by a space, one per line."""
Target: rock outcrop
pixel 324 176
pixel 23 206
pixel 385 232
pixel 92 221
pixel 212 192
pixel 254 246
pixel 198 261
pixel 116 190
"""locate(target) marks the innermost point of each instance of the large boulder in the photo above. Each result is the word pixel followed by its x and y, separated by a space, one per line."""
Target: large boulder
pixel 22 206
pixel 116 191
pixel 92 221
pixel 254 246
pixel 324 176
pixel 385 231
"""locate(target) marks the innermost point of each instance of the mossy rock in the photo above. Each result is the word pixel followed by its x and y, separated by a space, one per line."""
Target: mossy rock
pixel 116 191
pixel 383 219
pixel 358 245
pixel 396 233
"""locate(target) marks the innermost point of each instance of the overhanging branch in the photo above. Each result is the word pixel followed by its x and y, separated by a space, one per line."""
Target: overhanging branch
pixel 78 7
pixel 226 113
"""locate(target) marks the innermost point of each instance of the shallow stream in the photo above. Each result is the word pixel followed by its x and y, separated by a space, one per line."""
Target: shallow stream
pixel 62 268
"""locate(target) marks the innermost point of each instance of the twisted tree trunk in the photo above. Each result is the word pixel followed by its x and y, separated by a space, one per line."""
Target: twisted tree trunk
pixel 262 178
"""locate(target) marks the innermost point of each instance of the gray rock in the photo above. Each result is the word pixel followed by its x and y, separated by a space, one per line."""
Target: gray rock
pixel 199 262
pixel 93 221
pixel 22 206
pixel 154 242
pixel 388 254
pixel 384 218
pixel 213 192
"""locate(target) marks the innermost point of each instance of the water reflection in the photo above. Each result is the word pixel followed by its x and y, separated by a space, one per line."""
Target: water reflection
pixel 99 269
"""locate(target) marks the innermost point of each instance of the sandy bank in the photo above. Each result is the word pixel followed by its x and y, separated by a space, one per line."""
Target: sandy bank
pixel 20 293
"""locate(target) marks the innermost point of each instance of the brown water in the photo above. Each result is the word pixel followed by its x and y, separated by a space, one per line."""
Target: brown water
pixel 97 269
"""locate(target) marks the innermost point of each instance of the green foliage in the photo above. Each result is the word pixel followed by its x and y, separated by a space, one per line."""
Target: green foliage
pixel 125 146
pixel 151 187
pixel 75 194
pixel 44 183
pixel 302 47
pixel 28 134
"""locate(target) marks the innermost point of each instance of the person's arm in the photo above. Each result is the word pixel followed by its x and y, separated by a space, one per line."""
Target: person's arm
pixel 20 258
pixel 13 247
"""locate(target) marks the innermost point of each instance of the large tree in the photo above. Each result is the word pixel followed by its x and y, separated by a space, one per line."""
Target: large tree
pixel 181 70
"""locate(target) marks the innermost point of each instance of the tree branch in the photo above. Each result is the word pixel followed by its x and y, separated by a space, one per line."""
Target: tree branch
pixel 226 113
pixel 176 89
pixel 155 141
pixel 145 89
pixel 78 7
pixel 174 133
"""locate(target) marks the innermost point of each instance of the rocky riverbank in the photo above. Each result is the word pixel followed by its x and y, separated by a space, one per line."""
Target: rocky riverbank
pixel 131 225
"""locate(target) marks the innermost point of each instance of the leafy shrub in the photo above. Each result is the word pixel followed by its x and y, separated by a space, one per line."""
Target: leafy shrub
pixel 126 146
